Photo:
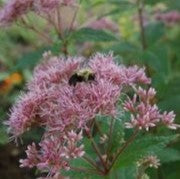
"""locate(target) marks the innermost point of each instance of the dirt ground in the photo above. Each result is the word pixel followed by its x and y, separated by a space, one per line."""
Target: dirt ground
pixel 9 163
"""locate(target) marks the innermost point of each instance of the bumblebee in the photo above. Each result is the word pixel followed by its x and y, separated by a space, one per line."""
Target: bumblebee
pixel 83 75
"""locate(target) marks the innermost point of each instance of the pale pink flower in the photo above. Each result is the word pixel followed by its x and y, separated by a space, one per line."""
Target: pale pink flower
pixel 145 114
pixel 14 9
pixel 53 71
pixel 133 75
pixel 105 67
pixel 168 120
pixel 32 157
pixel 104 24
pixel 129 104
pixel 24 113
pixel 51 156
pixel 50 5
pixel 169 18
pixel 71 150
pixel 146 95
pixel 54 152
pixel 46 5
pixel 149 161
pixel 146 117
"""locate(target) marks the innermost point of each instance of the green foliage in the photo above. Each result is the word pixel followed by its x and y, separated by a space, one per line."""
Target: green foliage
pixel 168 155
pixel 142 147
pixel 88 34
pixel 154 32
pixel 3 136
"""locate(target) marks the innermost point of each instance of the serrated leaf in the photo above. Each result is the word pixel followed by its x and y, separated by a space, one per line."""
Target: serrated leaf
pixel 157 58
pixel 78 163
pixel 169 155
pixel 124 173
pixel 171 103
pixel 88 34
pixel 142 147
pixel 154 32
pixel 3 136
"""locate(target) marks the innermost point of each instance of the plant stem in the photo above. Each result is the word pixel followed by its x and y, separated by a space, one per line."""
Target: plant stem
pixel 74 17
pixel 126 144
pixel 98 127
pixel 31 27
pixel 59 23
pixel 91 162
pixel 110 138
pixel 96 149
pixel 141 23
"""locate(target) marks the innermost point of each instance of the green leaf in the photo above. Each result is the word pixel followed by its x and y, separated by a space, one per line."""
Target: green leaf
pixel 171 103
pixel 88 34
pixel 124 173
pixel 79 163
pixel 153 2
pixel 157 58
pixel 3 136
pixel 142 147
pixel 118 134
pixel 169 155
pixel 154 32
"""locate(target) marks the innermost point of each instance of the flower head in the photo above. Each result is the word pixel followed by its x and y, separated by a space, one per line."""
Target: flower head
pixel 65 110
pixel 14 9
pixel 149 161
pixel 144 113
pixel 169 18
pixel 168 120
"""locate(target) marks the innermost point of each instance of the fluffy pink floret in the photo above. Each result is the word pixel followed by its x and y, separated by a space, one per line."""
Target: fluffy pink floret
pixel 24 113
pixel 14 9
pixel 168 120
pixel 53 153
pixel 32 157
pixel 46 5
pixel 49 5
pixel 145 114
pixel 53 72
pixel 105 68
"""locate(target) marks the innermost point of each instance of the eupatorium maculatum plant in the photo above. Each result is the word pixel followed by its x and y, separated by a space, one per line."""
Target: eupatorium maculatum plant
pixel 87 112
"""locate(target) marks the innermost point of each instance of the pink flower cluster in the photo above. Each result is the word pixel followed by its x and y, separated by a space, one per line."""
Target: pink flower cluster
pixel 52 102
pixel 169 18
pixel 144 113
pixel 48 5
pixel 149 161
pixel 64 110
pixel 16 8
pixel 54 153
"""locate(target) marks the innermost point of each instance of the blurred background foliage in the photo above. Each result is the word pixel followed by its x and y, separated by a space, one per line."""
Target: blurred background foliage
pixel 22 49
